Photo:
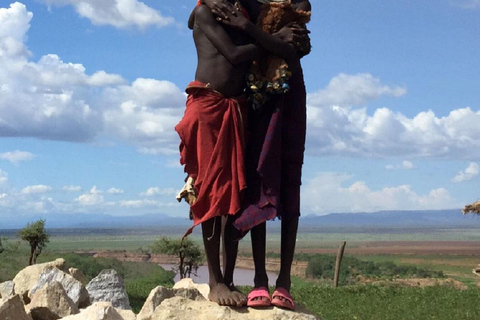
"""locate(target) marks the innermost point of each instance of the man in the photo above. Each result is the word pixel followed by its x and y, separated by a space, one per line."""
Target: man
pixel 212 142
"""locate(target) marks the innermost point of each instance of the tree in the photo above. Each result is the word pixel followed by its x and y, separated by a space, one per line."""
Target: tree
pixel 1 246
pixel 36 236
pixel 189 254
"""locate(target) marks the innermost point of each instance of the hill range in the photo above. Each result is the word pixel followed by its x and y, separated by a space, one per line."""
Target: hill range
pixel 451 218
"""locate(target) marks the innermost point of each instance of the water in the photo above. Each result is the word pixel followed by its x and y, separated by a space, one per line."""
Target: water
pixel 241 277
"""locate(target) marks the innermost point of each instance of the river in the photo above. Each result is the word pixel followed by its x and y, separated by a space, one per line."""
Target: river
pixel 241 277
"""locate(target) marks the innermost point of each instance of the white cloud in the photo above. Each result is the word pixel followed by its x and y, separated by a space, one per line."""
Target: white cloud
pixel 337 126
pixel 36 189
pixel 90 199
pixel 60 101
pixel 117 13
pixel 354 90
pixel 405 165
pixel 72 188
pixel 468 174
pixel 331 192
pixel 114 191
pixel 16 156
pixel 140 203
pixel 156 191
pixel 3 177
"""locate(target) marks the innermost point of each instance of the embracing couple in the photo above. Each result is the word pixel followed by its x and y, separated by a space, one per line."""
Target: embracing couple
pixel 243 137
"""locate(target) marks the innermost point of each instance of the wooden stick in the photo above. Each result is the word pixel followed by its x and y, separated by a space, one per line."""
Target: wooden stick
pixel 341 250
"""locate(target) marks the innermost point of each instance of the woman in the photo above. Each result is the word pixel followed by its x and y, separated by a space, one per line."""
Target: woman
pixel 274 151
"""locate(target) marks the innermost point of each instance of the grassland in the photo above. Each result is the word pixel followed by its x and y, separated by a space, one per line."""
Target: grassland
pixel 453 251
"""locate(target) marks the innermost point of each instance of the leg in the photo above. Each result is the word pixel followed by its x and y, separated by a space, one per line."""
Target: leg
pixel 219 292
pixel 288 241
pixel 230 251
pixel 258 235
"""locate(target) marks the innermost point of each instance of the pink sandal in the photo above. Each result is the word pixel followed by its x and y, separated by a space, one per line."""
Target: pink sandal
pixel 278 299
pixel 256 293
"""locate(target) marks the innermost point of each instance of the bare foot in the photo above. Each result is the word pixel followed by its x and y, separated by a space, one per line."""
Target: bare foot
pixel 239 297
pixel 222 295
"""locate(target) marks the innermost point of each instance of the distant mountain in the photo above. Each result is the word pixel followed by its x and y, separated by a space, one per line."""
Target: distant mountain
pixel 85 221
pixel 429 218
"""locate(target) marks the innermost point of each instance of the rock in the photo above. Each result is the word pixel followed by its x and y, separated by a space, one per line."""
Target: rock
pixel 12 309
pixel 155 298
pixel 108 286
pixel 160 294
pixel 7 289
pixel 188 283
pixel 51 302
pixel 78 275
pixel 74 288
pixel 102 311
pixel 28 277
pixel 179 308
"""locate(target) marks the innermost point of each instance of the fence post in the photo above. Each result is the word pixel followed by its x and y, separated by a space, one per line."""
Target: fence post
pixel 338 263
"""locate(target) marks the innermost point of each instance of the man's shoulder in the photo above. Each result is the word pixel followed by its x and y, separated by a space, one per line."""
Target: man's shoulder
pixel 203 14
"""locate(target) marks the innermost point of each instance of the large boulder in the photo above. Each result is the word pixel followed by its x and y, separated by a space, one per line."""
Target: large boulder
pixel 28 277
pixel 187 283
pixel 51 302
pixel 155 298
pixel 78 275
pixel 160 294
pixel 102 311
pixel 108 286
pixel 7 289
pixel 12 309
pixel 179 308
pixel 74 288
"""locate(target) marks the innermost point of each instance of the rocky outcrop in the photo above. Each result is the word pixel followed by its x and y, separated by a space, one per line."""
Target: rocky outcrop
pixel 108 286
pixel 102 311
pixel 160 294
pixel 12 309
pixel 78 275
pixel 51 302
pixel 74 288
pixel 188 283
pixel 53 294
pixel 28 277
pixel 179 308
pixel 7 290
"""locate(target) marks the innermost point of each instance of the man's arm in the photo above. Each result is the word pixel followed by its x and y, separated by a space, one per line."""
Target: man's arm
pixel 221 40
pixel 230 16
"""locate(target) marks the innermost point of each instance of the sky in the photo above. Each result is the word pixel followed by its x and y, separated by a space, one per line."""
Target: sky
pixel 90 92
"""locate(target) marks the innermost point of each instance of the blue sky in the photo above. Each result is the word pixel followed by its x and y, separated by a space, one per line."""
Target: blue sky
pixel 90 92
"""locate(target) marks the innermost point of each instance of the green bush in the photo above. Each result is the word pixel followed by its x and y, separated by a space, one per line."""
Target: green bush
pixel 323 267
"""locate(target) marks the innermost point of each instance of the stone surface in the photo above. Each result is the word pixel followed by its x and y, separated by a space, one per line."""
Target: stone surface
pixel 102 311
pixel 74 288
pixel 28 277
pixel 51 302
pixel 12 309
pixel 7 289
pixel 179 308
pixel 78 275
pixel 188 283
pixel 155 298
pixel 160 294
pixel 108 286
